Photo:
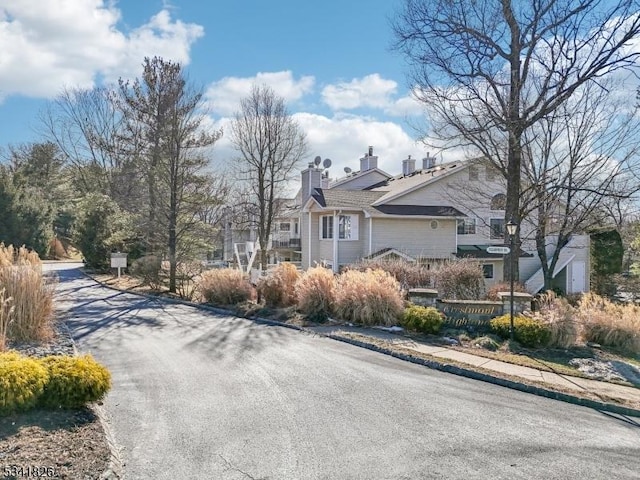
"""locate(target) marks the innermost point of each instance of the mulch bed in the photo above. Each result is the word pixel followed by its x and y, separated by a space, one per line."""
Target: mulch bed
pixel 66 444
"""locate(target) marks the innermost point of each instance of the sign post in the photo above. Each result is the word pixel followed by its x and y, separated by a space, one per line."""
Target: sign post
pixel 118 260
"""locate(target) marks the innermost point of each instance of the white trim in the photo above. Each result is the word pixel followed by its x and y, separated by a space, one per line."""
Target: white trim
pixel 370 235
pixel 309 239
pixel 409 258
pixel 335 241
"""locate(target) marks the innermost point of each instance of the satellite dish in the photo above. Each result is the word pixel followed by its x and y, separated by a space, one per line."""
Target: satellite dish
pixel 347 170
pixel 317 160
pixel 326 163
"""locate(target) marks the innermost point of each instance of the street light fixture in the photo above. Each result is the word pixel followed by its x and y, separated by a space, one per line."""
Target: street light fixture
pixel 512 227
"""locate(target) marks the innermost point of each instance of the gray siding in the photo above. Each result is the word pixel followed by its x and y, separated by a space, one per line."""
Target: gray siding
pixel 415 237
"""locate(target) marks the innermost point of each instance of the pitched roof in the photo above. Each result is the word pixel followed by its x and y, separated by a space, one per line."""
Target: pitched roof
pixel 352 176
pixel 363 200
pixel 425 210
pixel 402 184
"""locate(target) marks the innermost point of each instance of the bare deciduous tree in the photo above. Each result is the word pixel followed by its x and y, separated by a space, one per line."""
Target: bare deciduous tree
pixel 488 70
pixel 270 144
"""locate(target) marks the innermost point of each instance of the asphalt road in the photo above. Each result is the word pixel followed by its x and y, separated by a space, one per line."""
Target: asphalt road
pixel 203 396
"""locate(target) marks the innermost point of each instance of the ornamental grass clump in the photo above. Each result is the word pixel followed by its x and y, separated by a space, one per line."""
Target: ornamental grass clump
pixel 460 280
pixel 6 316
pixel 224 286
pixel 74 381
pixel 315 293
pixel 22 381
pixel 559 316
pixel 31 294
pixel 609 324
pixel 372 297
pixel 409 274
pixel 277 289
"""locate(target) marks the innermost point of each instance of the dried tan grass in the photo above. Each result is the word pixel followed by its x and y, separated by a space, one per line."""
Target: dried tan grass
pixel 224 286
pixel 31 294
pixel 608 323
pixel 409 274
pixel 372 297
pixel 559 316
pixel 460 280
pixel 492 292
pixel 6 315
pixel 9 255
pixel 315 293
pixel 278 287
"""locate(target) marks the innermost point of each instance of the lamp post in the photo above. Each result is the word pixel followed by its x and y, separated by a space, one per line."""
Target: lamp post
pixel 512 227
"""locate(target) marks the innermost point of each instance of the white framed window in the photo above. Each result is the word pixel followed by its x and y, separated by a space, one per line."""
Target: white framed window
pixel 348 227
pixel 284 227
pixel 490 173
pixel 326 227
pixel 497 227
pixel 467 226
pixel 296 228
pixel 433 224
pixel 473 172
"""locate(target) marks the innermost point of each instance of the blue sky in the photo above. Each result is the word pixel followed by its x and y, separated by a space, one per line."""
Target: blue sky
pixel 330 60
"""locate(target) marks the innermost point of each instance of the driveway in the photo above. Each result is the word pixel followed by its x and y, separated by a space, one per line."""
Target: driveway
pixel 198 395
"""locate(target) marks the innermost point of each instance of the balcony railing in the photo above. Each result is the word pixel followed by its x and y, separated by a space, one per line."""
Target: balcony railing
pixel 285 240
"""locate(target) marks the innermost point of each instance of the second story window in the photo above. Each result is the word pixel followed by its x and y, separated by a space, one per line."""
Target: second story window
pixel 499 201
pixel 285 227
pixel 473 172
pixel 467 226
pixel 497 227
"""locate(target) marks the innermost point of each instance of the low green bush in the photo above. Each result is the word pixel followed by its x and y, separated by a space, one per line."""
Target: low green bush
pixel 149 270
pixel 74 381
pixel 422 319
pixel 22 381
pixel 528 331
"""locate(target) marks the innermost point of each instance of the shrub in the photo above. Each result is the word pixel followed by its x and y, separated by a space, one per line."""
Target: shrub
pixel 315 293
pixel 31 293
pixel 609 324
pixel 408 274
pixel 148 270
pixel 224 286
pixel 492 292
pixel 74 381
pixel 22 381
pixel 186 274
pixel 460 280
pixel 372 297
pixel 530 332
pixel 278 287
pixel 422 319
pixel 559 316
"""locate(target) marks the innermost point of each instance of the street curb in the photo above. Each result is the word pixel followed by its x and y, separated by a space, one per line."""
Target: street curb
pixel 443 367
pixel 114 470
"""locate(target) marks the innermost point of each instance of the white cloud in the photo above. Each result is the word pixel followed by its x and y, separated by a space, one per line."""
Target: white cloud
pixel 370 91
pixel 224 95
pixel 344 139
pixel 55 43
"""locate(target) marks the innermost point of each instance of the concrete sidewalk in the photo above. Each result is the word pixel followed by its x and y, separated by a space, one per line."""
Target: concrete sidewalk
pixel 602 389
